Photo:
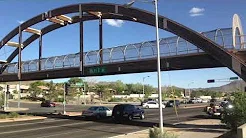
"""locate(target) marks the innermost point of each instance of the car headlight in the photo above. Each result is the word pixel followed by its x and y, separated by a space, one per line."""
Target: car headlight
pixel 230 106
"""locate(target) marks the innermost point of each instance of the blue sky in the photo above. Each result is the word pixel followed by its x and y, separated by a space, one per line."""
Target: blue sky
pixel 202 15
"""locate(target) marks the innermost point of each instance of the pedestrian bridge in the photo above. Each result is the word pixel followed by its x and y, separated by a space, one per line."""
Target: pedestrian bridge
pixel 169 47
pixel 187 50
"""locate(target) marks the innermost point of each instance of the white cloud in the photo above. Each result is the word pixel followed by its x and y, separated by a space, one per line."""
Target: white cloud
pixel 20 21
pixel 115 23
pixel 195 11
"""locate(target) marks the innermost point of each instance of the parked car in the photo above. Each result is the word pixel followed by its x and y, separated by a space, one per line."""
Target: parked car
pixel 164 102
pixel 47 103
pixel 213 101
pixel 204 101
pixel 97 112
pixel 127 111
pixel 193 101
pixel 152 104
pixel 199 100
pixel 173 103
pixel 146 100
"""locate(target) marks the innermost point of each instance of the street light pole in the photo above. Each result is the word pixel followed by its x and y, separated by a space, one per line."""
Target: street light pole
pixel 158 66
pixel 189 87
pixel 143 84
pixel 158 59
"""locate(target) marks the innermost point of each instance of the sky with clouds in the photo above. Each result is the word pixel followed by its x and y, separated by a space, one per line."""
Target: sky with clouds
pixel 203 15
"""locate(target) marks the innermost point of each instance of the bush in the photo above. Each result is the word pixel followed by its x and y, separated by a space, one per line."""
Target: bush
pixel 156 133
pixel 13 115
pixel 3 116
pixel 236 117
pixel 1 100
pixel 116 100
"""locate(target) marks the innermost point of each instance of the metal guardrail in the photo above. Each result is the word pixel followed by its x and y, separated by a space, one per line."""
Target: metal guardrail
pixel 171 46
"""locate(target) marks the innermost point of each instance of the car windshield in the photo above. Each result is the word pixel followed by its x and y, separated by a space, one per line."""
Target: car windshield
pixel 93 108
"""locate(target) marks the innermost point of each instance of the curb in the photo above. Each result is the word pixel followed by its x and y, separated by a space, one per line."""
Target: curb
pixel 21 119
pixel 16 109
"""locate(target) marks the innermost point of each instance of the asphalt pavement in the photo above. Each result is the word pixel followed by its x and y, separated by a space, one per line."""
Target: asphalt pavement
pixel 56 126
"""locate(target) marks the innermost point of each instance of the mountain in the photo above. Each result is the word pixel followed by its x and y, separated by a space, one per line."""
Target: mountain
pixel 233 86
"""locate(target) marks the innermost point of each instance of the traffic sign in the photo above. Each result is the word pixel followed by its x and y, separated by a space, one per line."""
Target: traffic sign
pixel 233 78
pixel 210 81
pixel 97 70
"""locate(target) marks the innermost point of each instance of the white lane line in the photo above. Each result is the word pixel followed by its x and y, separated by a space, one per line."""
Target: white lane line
pixel 64 133
pixel 34 123
pixel 26 130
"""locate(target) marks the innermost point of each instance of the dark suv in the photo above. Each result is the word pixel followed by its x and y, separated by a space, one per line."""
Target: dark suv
pixel 127 111
pixel 172 103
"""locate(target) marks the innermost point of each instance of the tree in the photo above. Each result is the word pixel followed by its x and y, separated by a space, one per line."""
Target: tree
pixel 34 89
pixel 119 86
pixel 55 90
pixel 1 99
pixel 137 88
pixel 102 91
pixel 74 91
pixel 148 90
pixel 75 80
pixel 196 94
pixel 91 82
pixel 237 116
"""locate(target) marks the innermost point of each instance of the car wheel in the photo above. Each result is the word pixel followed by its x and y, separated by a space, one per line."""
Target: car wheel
pixel 147 106
pixel 98 116
pixel 142 116
pixel 130 117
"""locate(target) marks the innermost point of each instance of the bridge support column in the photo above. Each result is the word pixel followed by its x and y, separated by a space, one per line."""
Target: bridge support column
pixel 81 38
pixel 40 52
pixel 19 55
pixel 101 39
pixel 19 64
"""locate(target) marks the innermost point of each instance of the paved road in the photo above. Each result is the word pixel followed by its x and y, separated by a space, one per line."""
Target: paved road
pixel 76 127
pixel 35 107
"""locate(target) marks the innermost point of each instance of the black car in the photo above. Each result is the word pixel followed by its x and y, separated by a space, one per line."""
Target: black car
pixel 172 103
pixel 127 111
pixel 48 103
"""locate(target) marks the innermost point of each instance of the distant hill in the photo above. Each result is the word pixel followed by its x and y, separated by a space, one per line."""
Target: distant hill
pixel 231 87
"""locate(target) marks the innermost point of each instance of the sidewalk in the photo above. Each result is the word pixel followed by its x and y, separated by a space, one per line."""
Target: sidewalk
pixel 13 109
pixel 26 118
pixel 203 128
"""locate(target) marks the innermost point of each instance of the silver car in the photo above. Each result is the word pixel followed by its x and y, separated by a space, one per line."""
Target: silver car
pixel 97 112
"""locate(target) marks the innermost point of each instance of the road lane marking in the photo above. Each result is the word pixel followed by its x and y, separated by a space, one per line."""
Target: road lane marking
pixel 34 123
pixel 26 130
pixel 64 133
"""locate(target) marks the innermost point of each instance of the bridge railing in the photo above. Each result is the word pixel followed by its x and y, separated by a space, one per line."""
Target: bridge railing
pixel 171 46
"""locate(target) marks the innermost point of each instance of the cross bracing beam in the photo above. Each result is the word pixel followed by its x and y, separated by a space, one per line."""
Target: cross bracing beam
pixel 64 18
pixel 13 44
pixel 55 20
pixel 33 31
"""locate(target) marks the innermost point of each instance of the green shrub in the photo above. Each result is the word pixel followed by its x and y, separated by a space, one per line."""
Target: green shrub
pixel 116 100
pixel 13 115
pixel 3 116
pixel 237 116
pixel 156 133
pixel 1 99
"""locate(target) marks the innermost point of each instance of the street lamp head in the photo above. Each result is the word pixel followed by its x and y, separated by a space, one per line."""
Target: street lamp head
pixel 129 4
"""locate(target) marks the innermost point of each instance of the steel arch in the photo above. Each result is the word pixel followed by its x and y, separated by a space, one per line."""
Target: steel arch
pixel 222 55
